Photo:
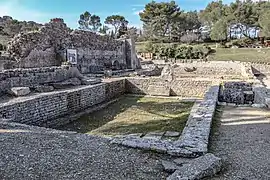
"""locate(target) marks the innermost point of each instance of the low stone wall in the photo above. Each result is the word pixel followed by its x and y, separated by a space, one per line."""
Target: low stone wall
pixel 43 109
pixel 195 136
pixel 213 68
pixel 261 69
pixel 34 76
pixel 194 139
pixel 189 87
pixel 237 93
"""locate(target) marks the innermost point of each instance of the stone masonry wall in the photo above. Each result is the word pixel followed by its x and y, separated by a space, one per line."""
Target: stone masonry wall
pixel 186 87
pixel 262 69
pixel 34 76
pixel 44 108
pixel 48 45
pixel 213 69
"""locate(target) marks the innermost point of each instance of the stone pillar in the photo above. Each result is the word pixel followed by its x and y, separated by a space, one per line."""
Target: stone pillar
pixel 131 55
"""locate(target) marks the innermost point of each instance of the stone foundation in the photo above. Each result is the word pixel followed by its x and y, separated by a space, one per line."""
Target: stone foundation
pixel 186 87
pixel 46 107
pixel 34 76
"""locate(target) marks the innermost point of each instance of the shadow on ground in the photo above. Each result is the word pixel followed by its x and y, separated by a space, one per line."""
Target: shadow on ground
pixel 134 115
pixel 241 136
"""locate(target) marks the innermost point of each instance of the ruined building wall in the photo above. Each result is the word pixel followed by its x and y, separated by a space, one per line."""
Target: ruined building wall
pixel 44 109
pixel 48 45
pixel 33 76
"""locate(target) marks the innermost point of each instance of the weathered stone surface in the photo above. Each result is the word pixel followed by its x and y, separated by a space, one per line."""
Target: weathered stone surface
pixel 182 161
pixel 45 109
pixel 172 134
pixel 20 91
pixel 35 76
pixel 204 166
pixel 169 166
pixel 158 86
pixel 258 105
pixel 67 83
pixel 47 47
pixel 195 135
pixel 237 92
pixel 167 73
pixel 42 89
pixel 86 81
pixel 149 70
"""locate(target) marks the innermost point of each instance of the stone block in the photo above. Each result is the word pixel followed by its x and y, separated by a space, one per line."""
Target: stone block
pixel 42 89
pixel 172 134
pixel 267 102
pixel 20 91
pixel 67 83
pixel 169 166
pixel 155 90
pixel 204 166
pixel 90 81
pixel 258 105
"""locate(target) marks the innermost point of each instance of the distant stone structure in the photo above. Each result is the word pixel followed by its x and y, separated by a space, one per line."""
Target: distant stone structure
pixel 48 47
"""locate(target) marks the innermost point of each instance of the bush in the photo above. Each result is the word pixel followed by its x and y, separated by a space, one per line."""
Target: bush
pixel 182 51
pixel 244 42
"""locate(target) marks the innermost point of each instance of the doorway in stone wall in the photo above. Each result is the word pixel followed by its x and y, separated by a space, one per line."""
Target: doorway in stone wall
pixel 116 65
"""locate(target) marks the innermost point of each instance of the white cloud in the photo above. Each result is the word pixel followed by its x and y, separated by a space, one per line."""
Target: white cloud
pixel 137 12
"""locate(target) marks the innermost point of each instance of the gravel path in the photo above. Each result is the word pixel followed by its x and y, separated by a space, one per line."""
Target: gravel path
pixel 241 137
pixel 39 153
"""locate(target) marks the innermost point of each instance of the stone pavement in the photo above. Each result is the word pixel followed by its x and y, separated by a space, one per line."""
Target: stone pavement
pixel 38 153
pixel 242 139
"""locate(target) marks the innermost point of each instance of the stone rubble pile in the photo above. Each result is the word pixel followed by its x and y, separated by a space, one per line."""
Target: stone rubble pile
pixel 237 93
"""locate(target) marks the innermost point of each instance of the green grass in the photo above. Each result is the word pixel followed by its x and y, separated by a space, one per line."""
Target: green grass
pixel 135 115
pixel 241 54
pixel 229 54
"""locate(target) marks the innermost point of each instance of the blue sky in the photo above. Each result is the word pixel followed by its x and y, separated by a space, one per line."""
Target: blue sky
pixel 43 10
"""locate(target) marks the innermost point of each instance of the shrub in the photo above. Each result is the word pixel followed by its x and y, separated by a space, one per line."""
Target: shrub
pixel 182 51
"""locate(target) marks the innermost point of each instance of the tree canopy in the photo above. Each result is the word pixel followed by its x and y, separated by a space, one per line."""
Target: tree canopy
pixel 116 21
pixel 166 21
pixel 89 22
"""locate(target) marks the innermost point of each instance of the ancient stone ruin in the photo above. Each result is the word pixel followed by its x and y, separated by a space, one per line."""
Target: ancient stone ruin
pixel 46 91
pixel 48 47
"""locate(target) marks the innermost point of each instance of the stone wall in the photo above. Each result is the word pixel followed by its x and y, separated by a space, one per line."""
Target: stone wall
pixel 43 109
pixel 48 45
pixel 261 69
pixel 237 93
pixel 33 76
pixel 214 69
pixel 186 87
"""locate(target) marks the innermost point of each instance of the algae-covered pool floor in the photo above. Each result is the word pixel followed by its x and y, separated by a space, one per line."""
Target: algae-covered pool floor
pixel 132 114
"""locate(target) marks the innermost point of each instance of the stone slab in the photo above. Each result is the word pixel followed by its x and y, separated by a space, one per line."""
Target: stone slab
pixel 42 89
pixel 20 91
pixel 91 81
pixel 204 166
pixel 169 166
pixel 172 134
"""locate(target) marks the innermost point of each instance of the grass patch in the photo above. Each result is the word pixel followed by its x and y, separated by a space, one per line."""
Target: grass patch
pixel 135 115
pixel 241 54
pixel 229 54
